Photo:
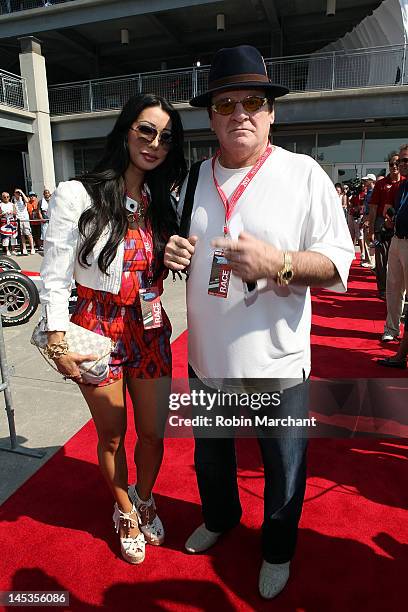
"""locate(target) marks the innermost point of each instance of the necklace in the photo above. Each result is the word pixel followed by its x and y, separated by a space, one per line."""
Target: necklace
pixel 135 210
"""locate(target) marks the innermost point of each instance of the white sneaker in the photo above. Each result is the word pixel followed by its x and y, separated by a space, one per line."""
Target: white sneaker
pixel 273 578
pixel 201 539
pixel 133 549
pixel 152 530
pixel 32 251
pixel 387 337
pixel 8 253
pixel 24 252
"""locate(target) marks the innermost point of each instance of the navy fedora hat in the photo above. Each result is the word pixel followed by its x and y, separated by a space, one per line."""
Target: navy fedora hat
pixel 241 67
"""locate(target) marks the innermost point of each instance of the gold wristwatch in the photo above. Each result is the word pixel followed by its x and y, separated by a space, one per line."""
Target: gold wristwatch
pixel 285 275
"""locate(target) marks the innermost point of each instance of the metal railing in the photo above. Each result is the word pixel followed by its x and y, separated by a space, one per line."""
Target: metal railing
pixel 360 68
pixel 113 93
pixel 12 6
pixel 13 90
pixel 374 67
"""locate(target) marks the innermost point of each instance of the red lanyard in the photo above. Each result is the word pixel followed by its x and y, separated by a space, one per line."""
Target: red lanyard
pixel 230 204
pixel 148 246
pixel 146 236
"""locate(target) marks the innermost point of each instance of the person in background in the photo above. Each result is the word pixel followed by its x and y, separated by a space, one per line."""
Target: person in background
pixel 342 197
pixel 8 224
pixel 368 185
pixel 381 199
pixel 20 200
pixel 397 272
pixel 34 212
pixel 44 214
pixel 355 216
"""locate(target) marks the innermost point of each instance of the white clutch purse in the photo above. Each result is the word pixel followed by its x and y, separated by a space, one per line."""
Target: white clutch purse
pixel 84 342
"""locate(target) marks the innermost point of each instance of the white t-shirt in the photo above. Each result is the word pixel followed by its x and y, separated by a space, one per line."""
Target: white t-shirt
pixel 44 208
pixel 6 208
pixel 292 204
pixel 21 210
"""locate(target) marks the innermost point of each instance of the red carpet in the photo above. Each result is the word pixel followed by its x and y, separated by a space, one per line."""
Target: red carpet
pixel 346 331
pixel 56 530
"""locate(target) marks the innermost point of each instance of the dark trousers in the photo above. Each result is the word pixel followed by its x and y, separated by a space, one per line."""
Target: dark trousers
pixel 284 461
pixel 381 255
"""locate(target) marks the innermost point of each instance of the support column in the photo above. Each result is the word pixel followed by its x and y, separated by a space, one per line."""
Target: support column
pixel 64 161
pixel 32 65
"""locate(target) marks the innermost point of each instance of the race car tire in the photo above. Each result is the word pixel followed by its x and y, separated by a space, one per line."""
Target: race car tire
pixel 19 298
pixel 7 263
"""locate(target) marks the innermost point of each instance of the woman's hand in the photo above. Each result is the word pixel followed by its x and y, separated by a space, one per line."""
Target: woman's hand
pixel 68 365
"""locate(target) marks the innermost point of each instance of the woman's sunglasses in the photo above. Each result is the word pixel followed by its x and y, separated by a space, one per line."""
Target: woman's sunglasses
pixel 150 133
pixel 250 104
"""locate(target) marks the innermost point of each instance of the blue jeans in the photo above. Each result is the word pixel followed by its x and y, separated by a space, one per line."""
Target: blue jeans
pixel 284 461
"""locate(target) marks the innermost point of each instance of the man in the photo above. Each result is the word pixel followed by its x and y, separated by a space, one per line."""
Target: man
pixel 397 272
pixel 20 200
pixel 368 187
pixel 382 199
pixel 283 232
pixel 44 214
pixel 34 213
pixel 8 224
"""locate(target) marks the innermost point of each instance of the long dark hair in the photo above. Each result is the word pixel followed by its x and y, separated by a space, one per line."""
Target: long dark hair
pixel 106 187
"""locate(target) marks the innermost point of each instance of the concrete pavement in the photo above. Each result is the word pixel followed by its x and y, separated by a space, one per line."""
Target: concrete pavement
pixel 49 410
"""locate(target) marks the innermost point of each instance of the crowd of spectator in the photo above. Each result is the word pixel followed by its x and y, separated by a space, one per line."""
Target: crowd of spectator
pixel 23 219
pixel 376 209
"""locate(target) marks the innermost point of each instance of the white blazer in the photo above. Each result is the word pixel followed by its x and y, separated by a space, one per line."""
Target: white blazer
pixel 61 247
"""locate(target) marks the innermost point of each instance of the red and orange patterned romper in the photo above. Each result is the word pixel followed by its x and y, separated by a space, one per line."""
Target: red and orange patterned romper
pixel 139 353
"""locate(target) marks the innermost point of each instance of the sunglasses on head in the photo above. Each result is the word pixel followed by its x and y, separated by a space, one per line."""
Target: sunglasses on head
pixel 150 133
pixel 250 104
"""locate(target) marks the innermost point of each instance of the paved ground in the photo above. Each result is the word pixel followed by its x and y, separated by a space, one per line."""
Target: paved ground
pixel 48 410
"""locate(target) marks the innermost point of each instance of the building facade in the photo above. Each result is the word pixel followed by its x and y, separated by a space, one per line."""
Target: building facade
pixel 347 107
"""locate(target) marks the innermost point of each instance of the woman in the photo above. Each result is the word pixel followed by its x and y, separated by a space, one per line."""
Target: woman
pixel 108 230
pixel 341 192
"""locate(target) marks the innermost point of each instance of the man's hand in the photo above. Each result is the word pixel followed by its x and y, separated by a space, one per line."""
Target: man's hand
pixel 178 252
pixel 250 258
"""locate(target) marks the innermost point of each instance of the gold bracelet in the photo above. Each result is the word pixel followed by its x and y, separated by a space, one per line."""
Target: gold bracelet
pixel 55 350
